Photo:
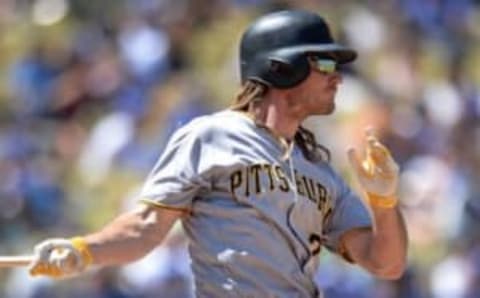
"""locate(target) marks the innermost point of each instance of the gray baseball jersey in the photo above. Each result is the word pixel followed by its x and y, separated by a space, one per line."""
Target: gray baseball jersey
pixel 256 221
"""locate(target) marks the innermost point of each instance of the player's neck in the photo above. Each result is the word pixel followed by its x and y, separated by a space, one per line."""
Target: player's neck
pixel 276 114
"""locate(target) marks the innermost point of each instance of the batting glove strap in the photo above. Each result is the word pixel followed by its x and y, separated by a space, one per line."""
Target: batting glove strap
pixel 81 246
pixel 382 201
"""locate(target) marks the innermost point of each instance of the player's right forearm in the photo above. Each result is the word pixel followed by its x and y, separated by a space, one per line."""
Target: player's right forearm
pixel 131 235
pixel 388 244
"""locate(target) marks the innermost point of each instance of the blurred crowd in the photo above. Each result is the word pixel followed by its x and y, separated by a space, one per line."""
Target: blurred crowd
pixel 90 91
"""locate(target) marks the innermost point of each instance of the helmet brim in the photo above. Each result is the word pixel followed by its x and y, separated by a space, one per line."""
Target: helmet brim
pixel 341 54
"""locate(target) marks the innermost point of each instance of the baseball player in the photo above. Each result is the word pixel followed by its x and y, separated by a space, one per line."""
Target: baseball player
pixel 253 189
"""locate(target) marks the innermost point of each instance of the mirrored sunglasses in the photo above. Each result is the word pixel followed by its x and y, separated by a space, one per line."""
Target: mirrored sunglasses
pixel 327 66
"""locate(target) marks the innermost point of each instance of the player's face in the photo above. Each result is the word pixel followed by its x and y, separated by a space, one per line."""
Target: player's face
pixel 317 92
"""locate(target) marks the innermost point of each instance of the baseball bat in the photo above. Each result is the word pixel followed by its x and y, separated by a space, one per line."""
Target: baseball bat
pixel 15 261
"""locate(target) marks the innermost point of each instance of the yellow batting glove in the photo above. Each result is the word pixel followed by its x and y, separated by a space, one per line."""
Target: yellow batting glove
pixel 377 172
pixel 59 258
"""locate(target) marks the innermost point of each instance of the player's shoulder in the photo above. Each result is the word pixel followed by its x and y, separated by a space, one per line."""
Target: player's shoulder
pixel 215 125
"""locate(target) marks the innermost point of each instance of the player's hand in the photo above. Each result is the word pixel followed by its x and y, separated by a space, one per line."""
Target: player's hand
pixel 59 258
pixel 377 171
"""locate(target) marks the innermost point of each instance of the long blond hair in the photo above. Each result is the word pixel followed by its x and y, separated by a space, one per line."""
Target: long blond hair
pixel 252 92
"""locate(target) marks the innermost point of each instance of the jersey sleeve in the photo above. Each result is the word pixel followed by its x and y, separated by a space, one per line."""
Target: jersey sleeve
pixel 180 173
pixel 349 212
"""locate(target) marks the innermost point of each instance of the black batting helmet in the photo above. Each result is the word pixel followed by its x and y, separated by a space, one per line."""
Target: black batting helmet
pixel 273 50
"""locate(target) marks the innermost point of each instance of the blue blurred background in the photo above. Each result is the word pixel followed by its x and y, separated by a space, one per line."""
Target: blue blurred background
pixel 90 91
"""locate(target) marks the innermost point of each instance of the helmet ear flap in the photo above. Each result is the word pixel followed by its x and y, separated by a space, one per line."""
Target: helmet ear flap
pixel 287 72
pixel 279 70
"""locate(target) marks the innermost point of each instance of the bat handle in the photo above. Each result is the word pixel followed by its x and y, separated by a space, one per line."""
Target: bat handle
pixel 15 261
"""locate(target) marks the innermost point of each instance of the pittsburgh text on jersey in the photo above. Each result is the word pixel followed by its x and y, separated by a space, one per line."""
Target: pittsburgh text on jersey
pixel 261 178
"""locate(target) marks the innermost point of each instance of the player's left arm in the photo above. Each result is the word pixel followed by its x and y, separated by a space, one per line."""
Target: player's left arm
pixel 383 249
